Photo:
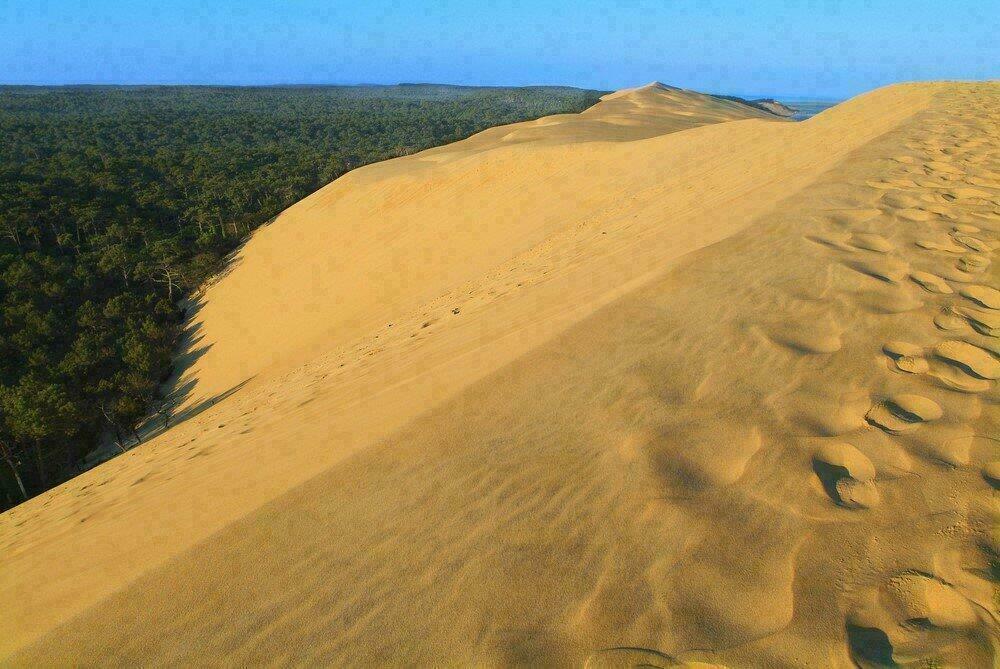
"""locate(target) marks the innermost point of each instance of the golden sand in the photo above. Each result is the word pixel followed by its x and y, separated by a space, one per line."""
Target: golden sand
pixel 666 382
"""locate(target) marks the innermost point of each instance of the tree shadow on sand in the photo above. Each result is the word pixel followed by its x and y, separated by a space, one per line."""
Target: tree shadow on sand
pixel 178 389
pixel 175 391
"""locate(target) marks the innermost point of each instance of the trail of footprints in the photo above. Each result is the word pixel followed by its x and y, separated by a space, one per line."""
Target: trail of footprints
pixel 917 243
pixel 932 240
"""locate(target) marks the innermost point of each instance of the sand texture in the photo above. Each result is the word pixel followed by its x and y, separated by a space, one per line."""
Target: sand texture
pixel 667 382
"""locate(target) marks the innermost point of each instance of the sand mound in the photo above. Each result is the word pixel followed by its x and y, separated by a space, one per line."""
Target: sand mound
pixel 987 296
pixel 847 475
pixel 634 387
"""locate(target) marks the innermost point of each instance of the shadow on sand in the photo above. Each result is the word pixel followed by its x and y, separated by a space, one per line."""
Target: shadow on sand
pixel 176 390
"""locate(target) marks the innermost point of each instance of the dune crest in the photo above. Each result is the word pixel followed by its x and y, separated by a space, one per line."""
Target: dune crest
pixel 658 383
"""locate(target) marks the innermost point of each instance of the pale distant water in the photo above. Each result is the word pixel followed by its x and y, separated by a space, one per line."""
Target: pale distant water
pixel 807 108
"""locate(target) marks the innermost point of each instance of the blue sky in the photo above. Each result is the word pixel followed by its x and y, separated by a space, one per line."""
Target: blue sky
pixel 784 48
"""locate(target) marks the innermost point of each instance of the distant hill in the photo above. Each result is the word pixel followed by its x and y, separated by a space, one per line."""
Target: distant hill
pixel 774 106
pixel 769 105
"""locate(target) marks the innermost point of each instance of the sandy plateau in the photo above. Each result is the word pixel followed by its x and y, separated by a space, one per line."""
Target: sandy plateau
pixel 668 382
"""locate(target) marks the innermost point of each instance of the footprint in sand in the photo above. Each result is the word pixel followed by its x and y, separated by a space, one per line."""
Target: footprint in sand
pixel 971 242
pixel 938 198
pixel 985 321
pixel 912 616
pixel 971 359
pixel 973 263
pixel 906 357
pixel 948 246
pixel 847 475
pixel 931 282
pixel 986 296
pixel 901 348
pixel 902 413
pixel 950 320
pixel 956 274
pixel 953 378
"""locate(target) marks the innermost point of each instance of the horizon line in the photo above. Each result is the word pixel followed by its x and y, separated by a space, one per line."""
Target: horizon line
pixel 790 96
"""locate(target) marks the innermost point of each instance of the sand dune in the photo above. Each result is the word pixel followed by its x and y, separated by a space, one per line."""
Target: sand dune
pixel 386 239
pixel 661 383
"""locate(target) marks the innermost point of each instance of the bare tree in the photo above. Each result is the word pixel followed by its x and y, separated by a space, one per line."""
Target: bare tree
pixel 165 410
pixel 119 440
pixel 169 276
pixel 8 456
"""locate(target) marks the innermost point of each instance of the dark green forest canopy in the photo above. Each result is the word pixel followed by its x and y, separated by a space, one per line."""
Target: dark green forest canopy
pixel 115 202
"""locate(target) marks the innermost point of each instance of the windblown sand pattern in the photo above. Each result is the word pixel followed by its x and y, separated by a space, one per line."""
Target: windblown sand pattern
pixel 597 390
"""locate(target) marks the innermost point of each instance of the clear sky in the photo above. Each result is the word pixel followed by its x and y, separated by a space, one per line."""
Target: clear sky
pixel 777 47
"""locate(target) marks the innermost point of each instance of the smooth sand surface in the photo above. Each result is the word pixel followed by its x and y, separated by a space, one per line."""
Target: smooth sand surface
pixel 666 382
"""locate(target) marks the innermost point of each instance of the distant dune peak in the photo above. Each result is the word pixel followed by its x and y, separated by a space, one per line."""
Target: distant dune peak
pixel 652 86
pixel 656 89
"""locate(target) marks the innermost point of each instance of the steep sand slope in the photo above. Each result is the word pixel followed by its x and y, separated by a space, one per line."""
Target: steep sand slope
pixel 385 239
pixel 769 447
